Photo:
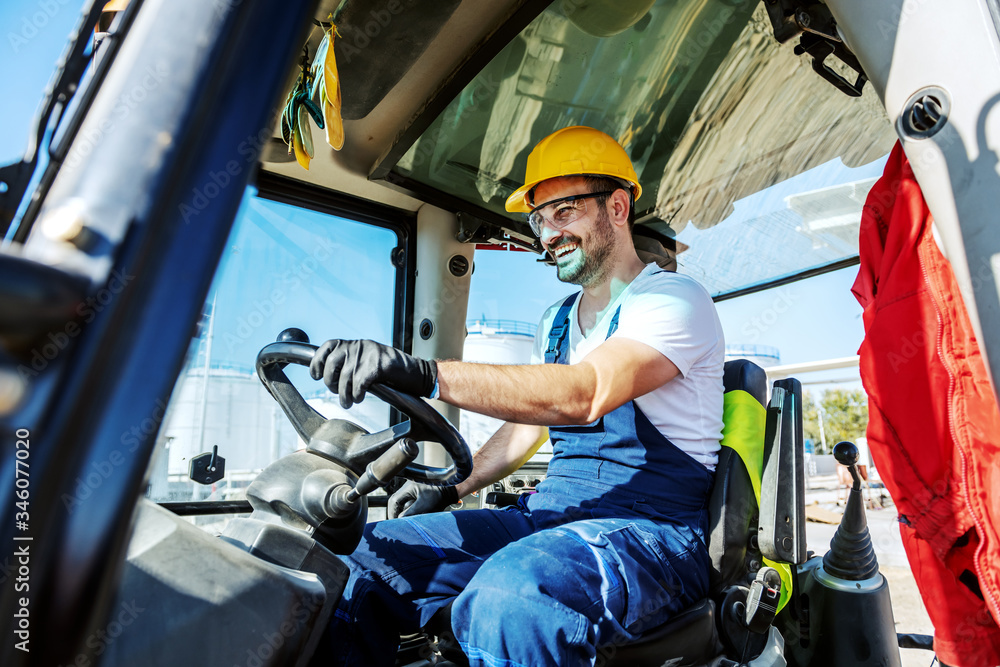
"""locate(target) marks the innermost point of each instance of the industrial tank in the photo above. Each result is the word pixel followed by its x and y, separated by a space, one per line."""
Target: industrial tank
pixel 493 342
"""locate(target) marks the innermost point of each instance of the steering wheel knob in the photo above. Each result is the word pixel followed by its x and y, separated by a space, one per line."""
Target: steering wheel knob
pixel 293 335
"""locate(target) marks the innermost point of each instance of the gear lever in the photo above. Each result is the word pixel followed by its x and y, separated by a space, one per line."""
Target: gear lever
pixel 851 555
pixel 326 494
pixel 850 613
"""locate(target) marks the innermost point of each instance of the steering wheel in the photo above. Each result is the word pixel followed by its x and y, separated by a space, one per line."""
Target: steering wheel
pixel 347 443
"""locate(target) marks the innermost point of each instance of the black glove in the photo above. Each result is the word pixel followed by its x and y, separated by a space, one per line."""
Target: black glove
pixel 350 367
pixel 415 498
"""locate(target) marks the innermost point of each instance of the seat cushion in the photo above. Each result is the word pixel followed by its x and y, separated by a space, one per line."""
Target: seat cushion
pixel 690 638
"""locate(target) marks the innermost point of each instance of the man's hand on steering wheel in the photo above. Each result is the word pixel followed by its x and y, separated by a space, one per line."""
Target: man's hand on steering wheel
pixel 350 367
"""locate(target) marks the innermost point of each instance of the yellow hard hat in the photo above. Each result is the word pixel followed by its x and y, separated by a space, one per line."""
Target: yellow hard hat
pixel 573 151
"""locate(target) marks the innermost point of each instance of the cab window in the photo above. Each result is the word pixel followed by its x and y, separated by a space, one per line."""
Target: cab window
pixel 283 266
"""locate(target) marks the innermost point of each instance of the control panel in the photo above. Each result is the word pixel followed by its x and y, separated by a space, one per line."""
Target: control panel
pixel 505 492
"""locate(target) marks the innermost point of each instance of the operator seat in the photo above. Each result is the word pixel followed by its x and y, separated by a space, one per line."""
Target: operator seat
pixel 692 637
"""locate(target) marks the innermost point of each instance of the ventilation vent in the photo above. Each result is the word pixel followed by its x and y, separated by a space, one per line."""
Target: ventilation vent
pixel 426 329
pixel 458 265
pixel 925 113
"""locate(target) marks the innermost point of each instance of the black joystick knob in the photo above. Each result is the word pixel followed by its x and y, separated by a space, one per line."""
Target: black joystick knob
pixel 846 453
pixel 851 555
pixel 293 335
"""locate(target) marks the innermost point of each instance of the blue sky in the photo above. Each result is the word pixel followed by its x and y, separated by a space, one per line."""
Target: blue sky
pixel 807 321
pixel 32 37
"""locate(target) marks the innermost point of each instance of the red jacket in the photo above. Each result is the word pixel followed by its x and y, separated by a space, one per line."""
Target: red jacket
pixel 934 427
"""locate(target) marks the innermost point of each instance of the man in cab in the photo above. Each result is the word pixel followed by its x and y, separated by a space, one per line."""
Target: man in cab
pixel 626 374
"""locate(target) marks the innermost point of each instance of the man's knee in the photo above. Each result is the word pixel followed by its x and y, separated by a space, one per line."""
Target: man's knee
pixel 538 568
pixel 519 608
pixel 510 574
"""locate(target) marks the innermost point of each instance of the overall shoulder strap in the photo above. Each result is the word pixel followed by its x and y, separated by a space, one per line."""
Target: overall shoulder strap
pixel 559 333
pixel 614 323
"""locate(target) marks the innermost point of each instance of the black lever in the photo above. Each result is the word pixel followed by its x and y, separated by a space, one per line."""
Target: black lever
pixel 851 555
pixel 342 500
pixel 847 454
pixel 207 468
pixel 381 471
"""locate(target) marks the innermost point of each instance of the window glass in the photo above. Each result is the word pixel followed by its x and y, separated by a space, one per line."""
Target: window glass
pixel 808 221
pixel 710 107
pixel 501 323
pixel 282 267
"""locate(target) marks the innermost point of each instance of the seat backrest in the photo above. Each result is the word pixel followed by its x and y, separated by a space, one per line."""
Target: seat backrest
pixel 733 512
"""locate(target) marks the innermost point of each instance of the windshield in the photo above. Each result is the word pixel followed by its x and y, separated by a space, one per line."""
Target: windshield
pixel 712 110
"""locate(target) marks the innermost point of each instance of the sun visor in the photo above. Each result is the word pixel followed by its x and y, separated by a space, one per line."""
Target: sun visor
pixel 377 47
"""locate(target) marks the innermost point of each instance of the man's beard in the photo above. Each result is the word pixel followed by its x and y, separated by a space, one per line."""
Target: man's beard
pixel 587 265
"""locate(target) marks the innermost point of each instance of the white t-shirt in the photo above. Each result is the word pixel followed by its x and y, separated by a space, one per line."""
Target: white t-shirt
pixel 673 314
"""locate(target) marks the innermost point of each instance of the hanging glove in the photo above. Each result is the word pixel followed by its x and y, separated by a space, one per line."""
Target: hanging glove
pixel 350 367
pixel 415 498
pixel 296 131
pixel 326 87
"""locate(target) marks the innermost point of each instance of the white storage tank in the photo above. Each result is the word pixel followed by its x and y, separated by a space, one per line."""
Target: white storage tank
pixel 232 411
pixel 493 342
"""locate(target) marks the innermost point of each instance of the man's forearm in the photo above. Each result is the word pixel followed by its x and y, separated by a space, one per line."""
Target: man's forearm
pixel 619 370
pixel 509 448
pixel 546 395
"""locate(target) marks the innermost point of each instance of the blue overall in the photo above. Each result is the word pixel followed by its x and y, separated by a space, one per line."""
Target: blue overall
pixel 611 545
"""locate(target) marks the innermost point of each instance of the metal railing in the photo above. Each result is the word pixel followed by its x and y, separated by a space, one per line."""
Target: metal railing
pixel 751 350
pixel 499 327
pixel 224 369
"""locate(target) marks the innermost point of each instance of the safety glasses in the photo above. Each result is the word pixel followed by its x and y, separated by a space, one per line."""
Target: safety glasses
pixel 560 212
